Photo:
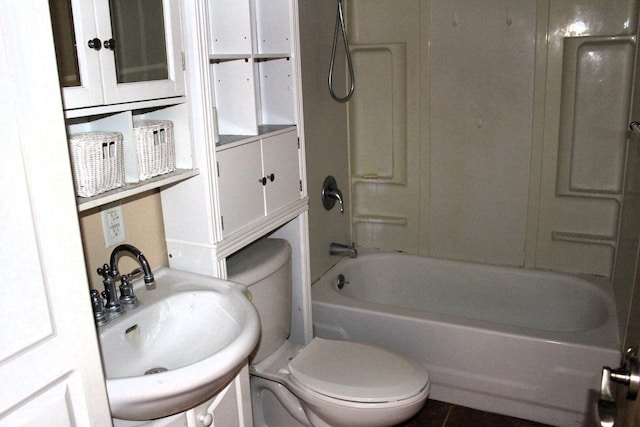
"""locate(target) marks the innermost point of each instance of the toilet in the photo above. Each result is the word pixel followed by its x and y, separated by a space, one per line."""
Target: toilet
pixel 327 382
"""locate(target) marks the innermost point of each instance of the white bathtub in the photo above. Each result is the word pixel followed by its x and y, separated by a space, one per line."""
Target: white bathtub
pixel 525 343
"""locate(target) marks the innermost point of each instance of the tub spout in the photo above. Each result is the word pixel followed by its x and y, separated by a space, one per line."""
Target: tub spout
pixel 340 249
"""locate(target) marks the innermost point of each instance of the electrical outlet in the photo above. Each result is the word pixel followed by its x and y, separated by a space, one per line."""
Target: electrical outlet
pixel 113 225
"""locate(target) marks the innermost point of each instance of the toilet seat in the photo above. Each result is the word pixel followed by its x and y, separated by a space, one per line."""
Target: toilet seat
pixel 356 372
pixel 329 401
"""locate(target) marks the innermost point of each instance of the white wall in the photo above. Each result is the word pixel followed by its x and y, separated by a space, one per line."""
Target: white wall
pixel 491 131
pixel 325 131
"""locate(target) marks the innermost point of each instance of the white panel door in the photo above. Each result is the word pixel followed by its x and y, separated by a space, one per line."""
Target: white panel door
pixel 240 187
pixel 49 358
pixel 281 167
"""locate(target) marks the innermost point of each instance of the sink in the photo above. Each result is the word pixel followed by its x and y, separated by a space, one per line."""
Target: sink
pixel 190 336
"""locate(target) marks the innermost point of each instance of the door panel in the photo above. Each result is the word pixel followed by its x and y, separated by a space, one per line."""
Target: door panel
pixel 281 158
pixel 241 194
pixel 49 358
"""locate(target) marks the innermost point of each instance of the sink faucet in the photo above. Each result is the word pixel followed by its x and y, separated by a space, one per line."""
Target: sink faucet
pixel 340 249
pixel 114 306
pixel 149 280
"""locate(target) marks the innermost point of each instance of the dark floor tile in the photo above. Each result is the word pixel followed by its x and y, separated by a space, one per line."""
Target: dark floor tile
pixel 467 417
pixel 433 414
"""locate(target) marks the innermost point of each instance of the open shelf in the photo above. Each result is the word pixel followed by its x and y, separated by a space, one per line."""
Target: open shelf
pixel 131 189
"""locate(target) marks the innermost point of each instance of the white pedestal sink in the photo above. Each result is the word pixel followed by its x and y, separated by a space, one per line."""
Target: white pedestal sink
pixel 189 337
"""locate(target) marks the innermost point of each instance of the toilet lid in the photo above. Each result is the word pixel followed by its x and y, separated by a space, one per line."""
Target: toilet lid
pixel 357 372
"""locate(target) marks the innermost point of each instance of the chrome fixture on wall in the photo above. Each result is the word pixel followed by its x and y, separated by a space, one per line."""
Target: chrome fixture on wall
pixel 628 374
pixel 340 26
pixel 340 249
pixel 331 193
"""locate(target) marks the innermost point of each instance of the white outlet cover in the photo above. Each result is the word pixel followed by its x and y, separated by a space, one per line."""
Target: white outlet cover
pixel 113 225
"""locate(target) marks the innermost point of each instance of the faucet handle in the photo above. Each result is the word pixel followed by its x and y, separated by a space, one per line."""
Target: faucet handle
pixel 105 271
pixel 134 273
pixel 112 305
pixel 128 298
pixel 331 193
pixel 100 315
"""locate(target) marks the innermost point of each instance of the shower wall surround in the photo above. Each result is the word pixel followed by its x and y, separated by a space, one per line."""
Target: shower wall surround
pixel 492 131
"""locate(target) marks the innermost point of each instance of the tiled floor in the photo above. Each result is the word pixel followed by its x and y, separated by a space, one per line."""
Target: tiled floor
pixel 440 414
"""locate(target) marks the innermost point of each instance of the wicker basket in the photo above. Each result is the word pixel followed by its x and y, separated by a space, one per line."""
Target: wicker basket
pixel 155 147
pixel 97 162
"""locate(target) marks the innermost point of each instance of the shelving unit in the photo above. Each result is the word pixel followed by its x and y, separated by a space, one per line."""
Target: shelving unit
pixel 243 72
pixel 111 78
pixel 115 118
pixel 245 69
pixel 251 60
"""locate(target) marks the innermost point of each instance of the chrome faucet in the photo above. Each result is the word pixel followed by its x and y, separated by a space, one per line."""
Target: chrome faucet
pixel 340 249
pixel 149 280
pixel 337 195
pixel 112 306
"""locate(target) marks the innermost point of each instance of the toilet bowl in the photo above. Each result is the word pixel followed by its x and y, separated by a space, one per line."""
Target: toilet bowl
pixel 327 382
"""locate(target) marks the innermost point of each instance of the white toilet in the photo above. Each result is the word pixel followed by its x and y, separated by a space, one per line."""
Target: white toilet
pixel 328 382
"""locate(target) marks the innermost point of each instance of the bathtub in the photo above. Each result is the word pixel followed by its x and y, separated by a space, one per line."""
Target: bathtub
pixel 525 343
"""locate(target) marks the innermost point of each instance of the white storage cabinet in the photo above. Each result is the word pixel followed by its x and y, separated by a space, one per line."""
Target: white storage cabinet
pixel 130 52
pixel 257 178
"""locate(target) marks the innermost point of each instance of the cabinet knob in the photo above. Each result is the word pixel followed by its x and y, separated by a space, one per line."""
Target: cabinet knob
pixel 206 419
pixel 109 44
pixel 264 179
pixel 95 44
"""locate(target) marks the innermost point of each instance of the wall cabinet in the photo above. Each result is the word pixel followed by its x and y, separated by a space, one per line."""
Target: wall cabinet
pixel 244 85
pixel 120 61
pixel 115 51
pixel 243 75
pixel 256 178
pixel 252 67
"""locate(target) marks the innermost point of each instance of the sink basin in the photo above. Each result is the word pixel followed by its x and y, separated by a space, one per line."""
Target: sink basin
pixel 190 336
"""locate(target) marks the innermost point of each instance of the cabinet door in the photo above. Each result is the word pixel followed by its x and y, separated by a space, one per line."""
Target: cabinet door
pixel 220 411
pixel 115 51
pixel 240 187
pixel 281 161
pixel 77 52
pixel 142 53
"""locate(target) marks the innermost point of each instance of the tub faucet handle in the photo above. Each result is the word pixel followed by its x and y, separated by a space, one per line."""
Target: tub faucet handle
pixel 331 193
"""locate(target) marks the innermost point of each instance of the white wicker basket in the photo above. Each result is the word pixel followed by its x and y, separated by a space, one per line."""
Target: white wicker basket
pixel 155 147
pixel 97 162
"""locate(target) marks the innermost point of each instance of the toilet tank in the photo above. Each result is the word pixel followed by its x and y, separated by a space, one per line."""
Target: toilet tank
pixel 265 268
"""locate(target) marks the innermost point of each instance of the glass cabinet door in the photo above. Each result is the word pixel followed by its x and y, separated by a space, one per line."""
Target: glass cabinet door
pixel 115 51
pixel 65 43
pixel 141 53
pixel 142 56
pixel 77 45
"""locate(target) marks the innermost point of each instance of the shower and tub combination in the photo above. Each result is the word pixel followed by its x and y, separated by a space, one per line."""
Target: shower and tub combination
pixel 525 343
pixel 486 133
